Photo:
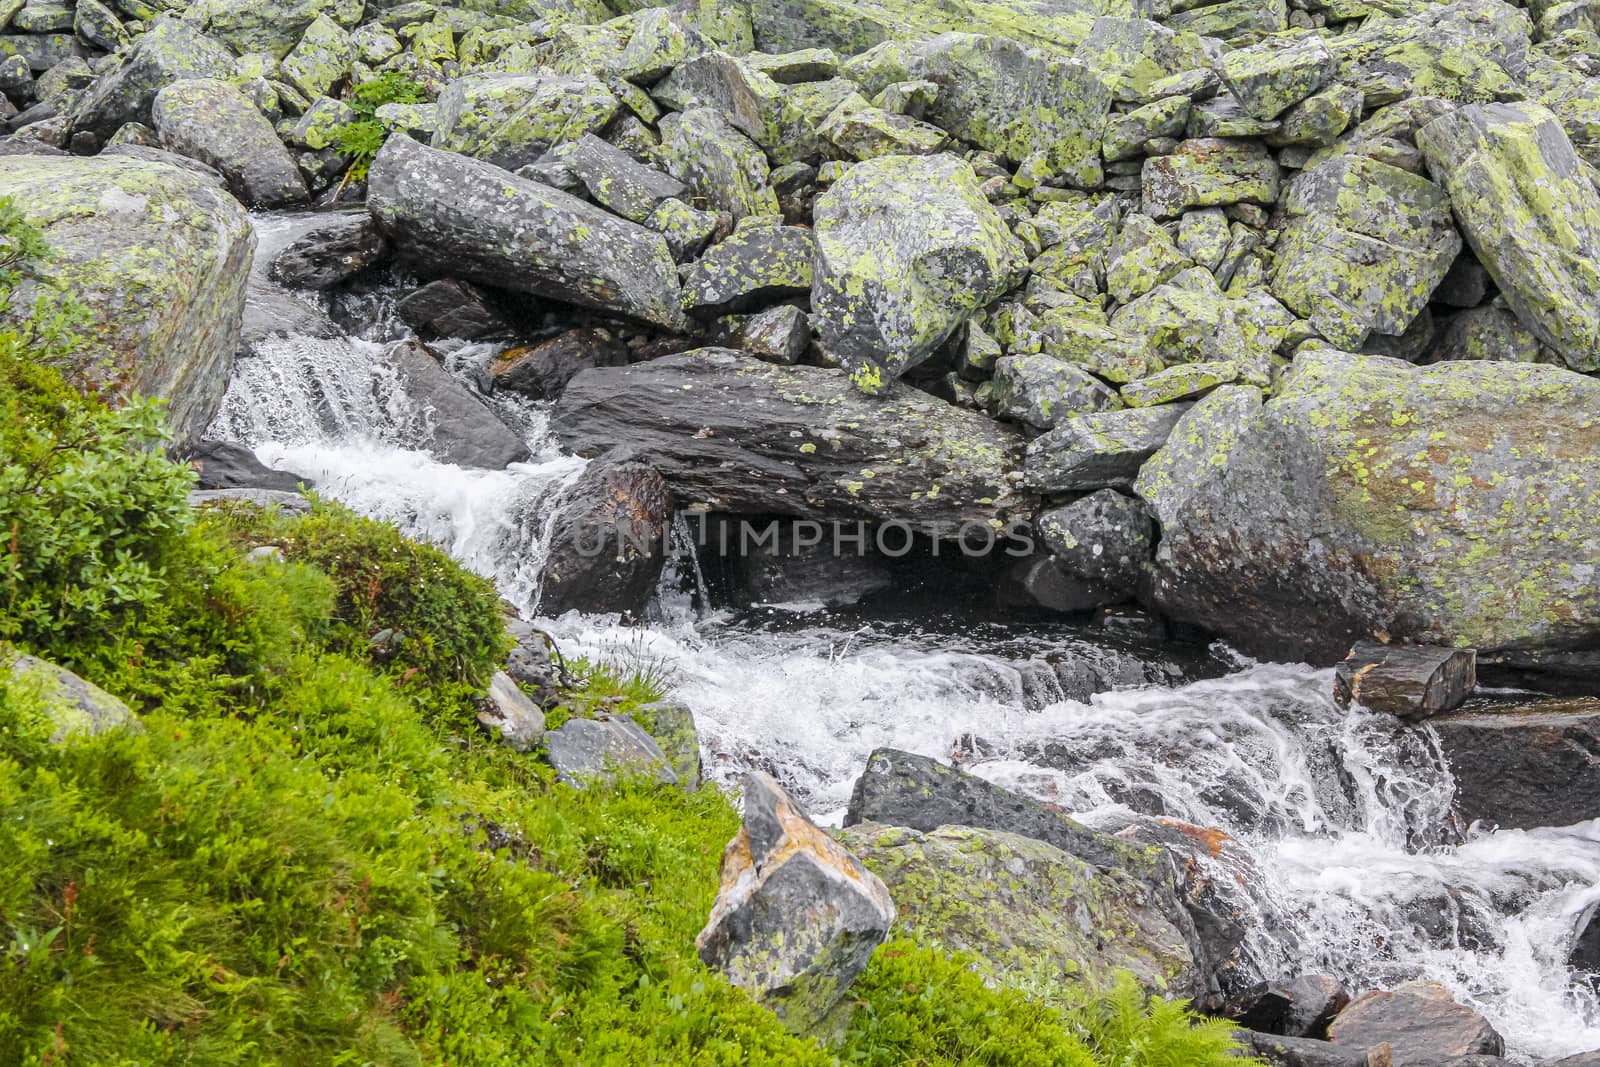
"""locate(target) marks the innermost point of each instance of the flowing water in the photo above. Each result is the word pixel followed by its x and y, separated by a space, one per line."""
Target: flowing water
pixel 1340 821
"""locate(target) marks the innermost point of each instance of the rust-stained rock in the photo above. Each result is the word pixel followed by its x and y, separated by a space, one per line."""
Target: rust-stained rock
pixel 1419 1021
pixel 1411 681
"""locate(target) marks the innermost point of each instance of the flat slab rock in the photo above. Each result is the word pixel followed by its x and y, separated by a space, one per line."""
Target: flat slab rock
pixel 1419 1021
pixel 1411 681
pixel 1524 764
pixel 587 751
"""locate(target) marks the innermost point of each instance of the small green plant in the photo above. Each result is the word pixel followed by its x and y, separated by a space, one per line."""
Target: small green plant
pixel 363 136
pixel 1127 1028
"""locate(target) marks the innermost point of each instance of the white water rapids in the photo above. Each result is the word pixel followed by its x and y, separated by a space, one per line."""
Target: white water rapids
pixel 1340 816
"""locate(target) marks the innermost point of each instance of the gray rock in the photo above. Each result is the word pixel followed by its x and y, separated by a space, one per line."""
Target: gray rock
pixel 172 50
pixel 513 119
pixel 1208 172
pixel 618 182
pixel 754 438
pixel 596 751
pixel 1389 464
pixel 76 707
pixel 1473 51
pixel 464 217
pixel 756 265
pixel 42 51
pixel 1043 391
pixel 608 540
pixel 95 23
pixel 463 429
pixel 1490 332
pixel 907 249
pixel 225 465
pixel 451 308
pixel 859 133
pixel 211 121
pixel 1100 451
pixel 327 248
pixel 1269 78
pixel 1420 1023
pixel 275 499
pixel 1531 215
pixel 1524 763
pixel 1408 681
pixel 718 162
pixel 777 335
pixel 1280 1051
pixel 273 26
pixel 161 257
pixel 543 370
pixel 797 917
pixel 1319 119
pixel 509 713
pixel 1105 537
pixel 1142 258
pixel 672 727
pixel 1126 135
pixel 785 120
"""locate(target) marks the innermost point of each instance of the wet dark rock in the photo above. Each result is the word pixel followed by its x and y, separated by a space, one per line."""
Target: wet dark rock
pixel 608 542
pixel 328 248
pixel 1281 1051
pixel 1411 681
pixel 1525 763
pixel 796 573
pixel 588 752
pixel 226 465
pixel 450 307
pixel 543 370
pixel 1042 582
pixel 1419 1021
pixel 749 437
pixel 463 429
pixel 1300 1007
pixel 777 335
pixel 1105 537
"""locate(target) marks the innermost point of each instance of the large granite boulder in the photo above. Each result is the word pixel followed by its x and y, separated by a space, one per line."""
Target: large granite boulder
pixel 1453 505
pixel 159 255
pixel 798 916
pixel 511 120
pixel 740 435
pixel 907 250
pixel 211 121
pixel 173 49
pixel 1524 763
pixel 449 214
pixel 1531 214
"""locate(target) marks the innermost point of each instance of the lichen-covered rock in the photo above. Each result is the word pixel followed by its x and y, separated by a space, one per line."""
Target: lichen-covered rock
pixel 172 50
pixel 797 917
pixel 618 182
pixel 1041 391
pixel 1018 904
pixel 1531 215
pixel 855 26
pixel 1473 51
pixel 1134 57
pixel 1186 381
pixel 1023 104
pixel 744 436
pixel 1269 78
pixel 1208 172
pixel 1452 505
pixel 907 249
pixel 456 215
pixel 1142 258
pixel 1233 19
pixel 211 121
pixel 273 26
pixel 686 230
pixel 1364 248
pixel 1489 332
pixel 1098 451
pixel 76 707
pixel 718 162
pixel 1127 134
pixel 759 263
pixel 671 725
pixel 869 132
pixel 590 752
pixel 324 55
pixel 784 120
pixel 95 23
pixel 777 335
pixel 1105 537
pixel 160 256
pixel 1319 119
pixel 512 119
pixel 1184 321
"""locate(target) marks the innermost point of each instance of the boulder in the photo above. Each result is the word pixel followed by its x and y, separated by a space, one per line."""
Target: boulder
pixel 543 370
pixel 325 56
pixel 746 436
pixel 861 133
pixel 1269 78
pixel 211 121
pixel 596 751
pixel 1419 1021
pixel 784 120
pixel 757 264
pixel 1365 246
pixel 1473 51
pixel 1281 1051
pixel 461 428
pixel 618 182
pixel 159 255
pixel 450 214
pixel 907 250
pixel 507 712
pixel 1449 505
pixel 321 250
pixel 1100 451
pixel 719 163
pixel 225 465
pixel 777 335
pixel 273 27
pixel 795 572
pixel 513 119
pixel 608 539
pixel 1043 391
pixel 1039 582
pixel 1104 537
pixel 450 307
pixel 671 725
pixel 1142 258
pixel 172 50
pixel 75 706
pixel 1186 381
pixel 1525 762
pixel 1301 1007
pixel 1531 215
pixel 1409 681
pixel 852 26
pixel 797 917
pixel 1208 172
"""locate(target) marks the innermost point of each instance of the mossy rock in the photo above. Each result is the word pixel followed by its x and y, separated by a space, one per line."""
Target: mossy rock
pixel 75 706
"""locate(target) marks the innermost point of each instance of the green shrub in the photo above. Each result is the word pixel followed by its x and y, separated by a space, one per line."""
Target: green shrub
pixel 1127 1028
pixel 363 136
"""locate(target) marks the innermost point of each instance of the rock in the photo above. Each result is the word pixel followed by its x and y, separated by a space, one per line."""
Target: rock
pixel 1269 78
pixel 686 230
pixel 1208 172
pixel 1126 135
pixel 1021 906
pixel 324 56
pixel 508 712
pixel 1142 258
pixel 159 255
pixel 1040 583
pixel 907 249
pixel 797 917
pixel 1364 249
pixel 1410 681
pixel 513 119
pixel 1104 537
pixel 821 573
pixel 595 751
pixel 1300 1008
pixel 1473 51
pixel 1186 381
pixel 862 133
pixel 42 51
pixel 543 370
pixel 718 162
pixel 209 120
pixel 1526 762
pixel 464 431
pixel 1020 103
pixel 94 22
pixel 1463 517
pixel 1420 1022
pixel 608 539
pixel 1100 451
pixel 618 182
pixel 1530 214
pixel 76 707
pixel 172 50
pixel 672 727
pixel 451 308
pixel 287 503
pixel 756 265
pixel 752 438
pixel 456 215
pixel 1280 1051
pixel 253 26
pixel 1042 391
pixel 777 335
pixel 327 248
pixel 1319 119
pixel 225 465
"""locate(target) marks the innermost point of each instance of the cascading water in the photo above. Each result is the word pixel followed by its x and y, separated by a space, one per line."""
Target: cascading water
pixel 1341 818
